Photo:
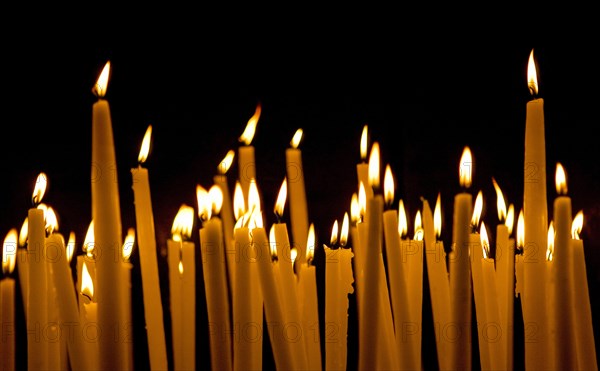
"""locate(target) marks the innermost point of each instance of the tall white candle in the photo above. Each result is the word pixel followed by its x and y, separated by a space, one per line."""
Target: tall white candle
pixel 7 302
pixel 222 182
pixel 246 160
pixel 362 168
pixel 297 192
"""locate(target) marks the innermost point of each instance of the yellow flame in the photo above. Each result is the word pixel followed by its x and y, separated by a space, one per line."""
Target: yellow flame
pixel 296 139
pixel 281 198
pixel 345 228
pixel 253 196
pixel 256 220
pixel 310 243
pixel 248 133
pixel 204 204
pixel 226 163
pixel 183 223
pixel 561 180
pixel 521 230
pixel 388 185
pixel 465 168
pixel 402 220
pixel 437 216
pixel 354 208
pixel 51 221
pixel 23 232
pixel 334 233
pixel 128 244
pixel 293 255
pixel 362 201
pixel 145 148
pixel 485 242
pixel 364 139
pixel 70 248
pixel 532 82
pixel 477 210
pixel 501 205
pixel 272 241
pixel 88 242
pixel 418 227
pixel 374 166
pixel 102 83
pixel 41 183
pixel 510 218
pixel 577 225
pixel 550 248
pixel 180 267
pixel 215 197
pixel 87 285
pixel 239 204
pixel 9 251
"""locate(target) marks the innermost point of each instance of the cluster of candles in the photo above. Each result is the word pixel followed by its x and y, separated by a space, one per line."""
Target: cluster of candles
pixel 254 274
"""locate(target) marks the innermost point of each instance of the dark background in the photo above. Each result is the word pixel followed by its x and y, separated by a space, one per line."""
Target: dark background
pixel 423 97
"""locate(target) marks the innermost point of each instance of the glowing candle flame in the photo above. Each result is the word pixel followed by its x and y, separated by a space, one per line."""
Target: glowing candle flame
pixel 362 201
pixel 253 196
pixel 402 220
pixel 334 233
pixel 273 242
pixel 477 210
pixel 145 148
pixel 510 218
pixel 418 227
pixel 87 285
pixel 296 139
pixel 183 223
pixel 550 248
pixel 310 244
pixel 281 198
pixel 9 251
pixel 354 208
pixel 577 225
pixel 256 220
pixel 239 204
pixel 465 168
pixel 51 221
pixel 364 139
pixel 70 246
pixel 344 233
pixel 388 185
pixel 561 180
pixel 225 164
pixel 40 188
pixel 521 230
pixel 102 83
pixel 374 166
pixel 501 205
pixel 23 232
pixel 204 205
pixel 532 82
pixel 180 267
pixel 293 255
pixel 248 133
pixel 437 216
pixel 485 242
pixel 128 244
pixel 215 197
pixel 88 242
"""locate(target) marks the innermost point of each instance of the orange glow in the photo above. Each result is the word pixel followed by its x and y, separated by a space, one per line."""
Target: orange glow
pixel 87 286
pixel 388 185
pixel 88 242
pixel 510 218
pixel 437 217
pixel 364 139
pixel 180 267
pixel 296 139
pixel 354 208
pixel 344 233
pixel 281 198
pixel 9 251
pixel 239 204
pixel 40 188
pixel 272 242
pixel 225 164
pixel 561 180
pixel 334 233
pixel 253 197
pixel 362 201
pixel 374 166
pixel 402 220
pixel 310 243
pixel 248 133
pixel 550 248
pixel 477 210
pixel 70 246
pixel 145 148
pixel 465 168
pixel 51 221
pixel 102 83
pixel 293 255
pixel 215 197
pixel 128 244
pixel 183 223
pixel 204 204
pixel 23 232
pixel 418 227
pixel 577 225
pixel 500 204
pixel 485 242
pixel 532 82
pixel 521 231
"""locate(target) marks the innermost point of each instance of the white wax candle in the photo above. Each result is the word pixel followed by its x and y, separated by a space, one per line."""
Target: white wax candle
pixel 309 314
pixel 24 278
pixel 333 352
pixel 7 317
pixel 493 333
pixel 505 280
pixel 228 224
pixel 479 290
pixel 127 330
pixel 413 253
pixel 298 205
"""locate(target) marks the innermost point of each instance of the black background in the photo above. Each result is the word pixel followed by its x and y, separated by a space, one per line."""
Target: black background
pixel 425 91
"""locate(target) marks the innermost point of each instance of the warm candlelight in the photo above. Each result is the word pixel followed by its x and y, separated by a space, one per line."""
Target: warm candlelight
pixel 298 207
pixel 362 168
pixel 125 288
pixel 88 319
pixel 246 161
pixel 7 301
pixel 222 182
pixel 333 351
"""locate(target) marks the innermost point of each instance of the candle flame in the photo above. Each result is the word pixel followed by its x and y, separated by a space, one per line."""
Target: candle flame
pixel 70 247
pixel 345 228
pixel 296 139
pixel 477 210
pixel 239 204
pixel 128 244
pixel 87 285
pixel 9 251
pixel 204 203
pixel 388 185
pixel 102 83
pixel 418 227
pixel 354 208
pixel 293 255
pixel 362 201
pixel 310 243
pixel 215 197
pixel 364 139
pixel 437 216
pixel 180 267
pixel 561 180
pixel 532 82
pixel 550 248
pixel 577 225
pixel 41 183
pixel 334 234
pixel 145 148
pixel 253 196
pixel 510 218
pixel 374 167
pixel 23 232
pixel 248 133
pixel 183 223
pixel 521 230
pixel 485 243
pixel 272 242
pixel 466 168
pixel 225 164
pixel 51 221
pixel 281 198
pixel 402 220
pixel 88 242
pixel 501 205
pixel 256 220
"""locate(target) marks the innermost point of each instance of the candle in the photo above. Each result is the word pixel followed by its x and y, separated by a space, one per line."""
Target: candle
pixel 413 252
pixel 125 287
pixel 23 265
pixel 562 259
pixel 182 289
pixel 334 359
pixel 215 277
pixel 308 304
pixel 7 301
pixel 88 317
pixel 298 207
pixel 460 276
pixel 582 314
pixel 106 214
pixel 246 162
pixel 362 168
pixel 519 286
pixel 227 214
pixel 144 217
pixel 536 224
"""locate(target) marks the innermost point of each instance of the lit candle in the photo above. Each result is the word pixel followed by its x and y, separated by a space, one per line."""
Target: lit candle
pixel 298 207
pixel 88 318
pixel 519 285
pixel 562 258
pixel 413 252
pixel 535 210
pixel 582 314
pixel 246 162
pixel 7 301
pixel 345 287
pixel 24 265
pixel 460 276
pixel 227 213
pixel 333 350
pixel 362 168
pixel 144 217
pixel 215 277
pixel 106 214
pixel 308 305
pixel 125 288
pixel 182 289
